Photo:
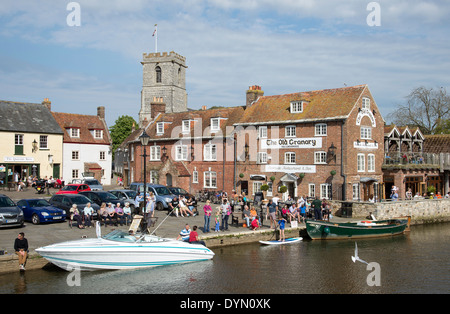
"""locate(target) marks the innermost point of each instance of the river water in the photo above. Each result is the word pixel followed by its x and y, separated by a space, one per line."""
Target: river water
pixel 416 262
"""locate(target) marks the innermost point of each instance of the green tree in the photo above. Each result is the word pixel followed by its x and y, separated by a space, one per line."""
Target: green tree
pixel 121 130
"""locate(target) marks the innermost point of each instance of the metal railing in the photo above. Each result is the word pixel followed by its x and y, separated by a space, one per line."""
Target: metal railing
pixel 397 158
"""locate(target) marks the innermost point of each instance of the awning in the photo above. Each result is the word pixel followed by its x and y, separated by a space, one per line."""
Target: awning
pixel 368 179
pixel 257 177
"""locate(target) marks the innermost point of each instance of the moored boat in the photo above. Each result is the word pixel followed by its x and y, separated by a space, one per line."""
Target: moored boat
pixel 324 230
pixel 120 250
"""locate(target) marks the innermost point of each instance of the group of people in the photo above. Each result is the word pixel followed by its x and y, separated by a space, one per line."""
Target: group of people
pixel 108 215
pixel 417 196
pixel 183 206
pixel 32 180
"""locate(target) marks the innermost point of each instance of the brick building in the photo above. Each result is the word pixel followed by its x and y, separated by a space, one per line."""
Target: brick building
pixel 326 143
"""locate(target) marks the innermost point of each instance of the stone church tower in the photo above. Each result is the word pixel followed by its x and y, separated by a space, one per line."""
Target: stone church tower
pixel 164 83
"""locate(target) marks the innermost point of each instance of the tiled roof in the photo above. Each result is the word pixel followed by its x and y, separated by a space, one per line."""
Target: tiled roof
pixel 85 123
pixel 321 104
pixel 439 143
pixel 27 117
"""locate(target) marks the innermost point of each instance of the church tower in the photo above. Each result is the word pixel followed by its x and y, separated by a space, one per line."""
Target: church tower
pixel 164 79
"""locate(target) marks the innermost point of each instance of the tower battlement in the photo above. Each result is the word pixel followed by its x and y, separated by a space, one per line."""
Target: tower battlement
pixel 162 56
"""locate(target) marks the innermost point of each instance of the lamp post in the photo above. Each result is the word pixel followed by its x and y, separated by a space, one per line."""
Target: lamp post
pixel 144 138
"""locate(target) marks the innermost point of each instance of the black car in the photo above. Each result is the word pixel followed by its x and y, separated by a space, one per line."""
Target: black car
pixel 99 197
pixel 65 201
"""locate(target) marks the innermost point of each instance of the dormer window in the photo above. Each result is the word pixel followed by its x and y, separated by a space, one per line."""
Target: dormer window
pixel 186 126
pixel 160 128
pixel 215 124
pixel 366 103
pixel 296 106
pixel 97 134
pixel 74 132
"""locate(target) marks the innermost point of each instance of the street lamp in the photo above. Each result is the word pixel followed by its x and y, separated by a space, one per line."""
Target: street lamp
pixel 144 138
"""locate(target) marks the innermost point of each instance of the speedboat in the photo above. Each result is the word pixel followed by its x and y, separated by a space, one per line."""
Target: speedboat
pixel 120 250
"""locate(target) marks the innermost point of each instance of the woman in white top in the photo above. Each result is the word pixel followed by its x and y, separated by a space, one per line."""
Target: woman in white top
pixel 183 207
pixel 88 211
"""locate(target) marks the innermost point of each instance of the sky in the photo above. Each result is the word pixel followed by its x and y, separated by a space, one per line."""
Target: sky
pixel 284 46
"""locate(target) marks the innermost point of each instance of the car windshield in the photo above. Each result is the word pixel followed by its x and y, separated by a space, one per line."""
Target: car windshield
pixel 38 203
pixel 69 188
pixel 6 202
pixel 131 194
pixel 92 182
pixel 162 190
pixel 107 196
pixel 80 199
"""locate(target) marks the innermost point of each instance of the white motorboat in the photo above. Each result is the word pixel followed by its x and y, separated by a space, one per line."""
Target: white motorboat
pixel 119 250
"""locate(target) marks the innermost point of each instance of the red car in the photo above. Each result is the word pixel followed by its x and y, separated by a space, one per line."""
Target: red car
pixel 74 189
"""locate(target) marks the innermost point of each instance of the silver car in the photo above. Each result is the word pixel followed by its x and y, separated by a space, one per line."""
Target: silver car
pixel 10 213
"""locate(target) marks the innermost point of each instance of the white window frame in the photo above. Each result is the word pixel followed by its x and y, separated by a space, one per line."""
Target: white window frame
pixel 75 155
pixel 215 124
pixel 43 141
pixel 320 157
pixel 181 152
pixel 98 134
pixel 75 173
pixel 361 163
pixel 257 186
pixel 290 131
pixel 160 128
pixel 155 153
pixel 210 152
pixel 366 103
pixel 355 191
pixel 262 158
pixel 195 176
pixel 210 179
pixel 311 190
pixel 325 191
pixel 74 132
pixel 262 132
pixel 288 157
pixel 102 155
pixel 186 126
pixel 370 163
pixel 366 133
pixel 320 129
pixel 18 139
pixel 296 106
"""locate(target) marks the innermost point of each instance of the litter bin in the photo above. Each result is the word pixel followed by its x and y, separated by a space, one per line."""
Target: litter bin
pixel 347 210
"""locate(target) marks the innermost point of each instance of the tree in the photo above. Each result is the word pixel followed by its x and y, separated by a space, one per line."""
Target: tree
pixel 427 108
pixel 121 130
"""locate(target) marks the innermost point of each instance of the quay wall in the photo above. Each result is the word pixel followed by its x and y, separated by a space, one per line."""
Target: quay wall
pixel 422 211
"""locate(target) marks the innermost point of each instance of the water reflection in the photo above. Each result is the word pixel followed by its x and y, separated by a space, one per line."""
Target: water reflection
pixel 413 263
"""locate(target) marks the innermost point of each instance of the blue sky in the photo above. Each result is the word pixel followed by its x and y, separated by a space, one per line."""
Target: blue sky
pixel 284 46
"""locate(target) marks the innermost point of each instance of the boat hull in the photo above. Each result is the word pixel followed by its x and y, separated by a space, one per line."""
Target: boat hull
pixel 99 254
pixel 322 230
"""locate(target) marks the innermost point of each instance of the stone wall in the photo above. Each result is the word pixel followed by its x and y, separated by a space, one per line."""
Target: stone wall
pixel 421 211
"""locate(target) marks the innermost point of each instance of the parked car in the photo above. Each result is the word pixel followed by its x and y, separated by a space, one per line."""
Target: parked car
pixel 180 192
pixel 10 213
pixel 39 210
pixel 127 196
pixel 93 183
pixel 65 201
pixel 99 197
pixel 74 189
pixel 161 192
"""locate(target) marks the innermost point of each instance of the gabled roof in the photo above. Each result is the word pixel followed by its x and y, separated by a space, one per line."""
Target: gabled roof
pixel 27 118
pixel 439 143
pixel 318 105
pixel 86 124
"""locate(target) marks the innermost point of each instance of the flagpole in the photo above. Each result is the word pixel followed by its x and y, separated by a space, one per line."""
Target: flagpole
pixel 155 33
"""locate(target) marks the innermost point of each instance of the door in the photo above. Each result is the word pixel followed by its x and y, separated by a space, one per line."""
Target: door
pixel 168 179
pixel 56 170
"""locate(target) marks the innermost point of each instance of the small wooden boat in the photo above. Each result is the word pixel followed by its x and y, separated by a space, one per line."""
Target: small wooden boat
pixel 324 230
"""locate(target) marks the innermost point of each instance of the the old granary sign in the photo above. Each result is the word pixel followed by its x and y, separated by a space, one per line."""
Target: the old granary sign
pixel 291 142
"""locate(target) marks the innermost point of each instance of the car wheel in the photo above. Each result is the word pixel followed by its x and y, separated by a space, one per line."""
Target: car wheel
pixel 159 206
pixel 35 219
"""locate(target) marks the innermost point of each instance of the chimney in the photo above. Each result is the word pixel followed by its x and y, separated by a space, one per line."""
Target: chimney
pixel 47 103
pixel 101 112
pixel 204 107
pixel 157 106
pixel 253 93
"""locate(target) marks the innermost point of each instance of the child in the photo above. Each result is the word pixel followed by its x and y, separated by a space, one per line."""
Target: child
pixel 255 224
pixel 217 219
pixel 281 223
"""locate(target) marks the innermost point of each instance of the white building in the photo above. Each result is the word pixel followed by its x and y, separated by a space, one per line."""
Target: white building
pixel 86 146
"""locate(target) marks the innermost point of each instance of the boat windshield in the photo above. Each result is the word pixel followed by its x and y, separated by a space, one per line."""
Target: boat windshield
pixel 118 235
